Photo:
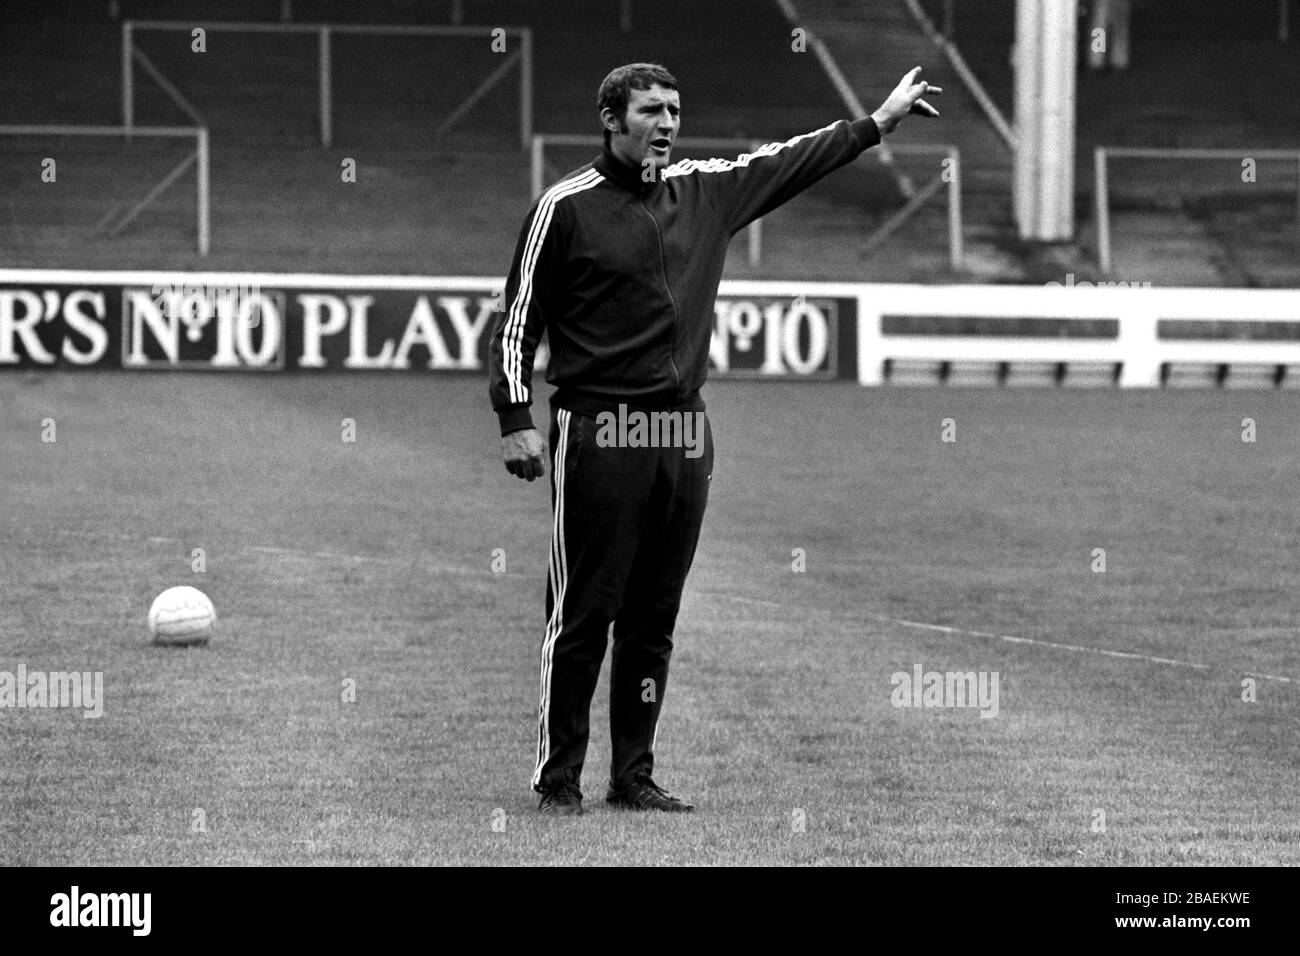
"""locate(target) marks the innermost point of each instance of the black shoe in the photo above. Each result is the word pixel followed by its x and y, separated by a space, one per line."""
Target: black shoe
pixel 561 799
pixel 644 794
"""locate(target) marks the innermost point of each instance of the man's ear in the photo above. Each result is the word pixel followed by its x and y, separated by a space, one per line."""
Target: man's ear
pixel 609 120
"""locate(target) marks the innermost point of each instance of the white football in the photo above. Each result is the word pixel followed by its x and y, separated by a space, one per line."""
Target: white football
pixel 182 616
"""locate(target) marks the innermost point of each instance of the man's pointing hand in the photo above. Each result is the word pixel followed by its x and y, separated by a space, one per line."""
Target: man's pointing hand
pixel 906 99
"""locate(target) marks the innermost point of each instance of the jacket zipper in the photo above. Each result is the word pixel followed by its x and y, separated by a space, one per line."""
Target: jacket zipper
pixel 663 270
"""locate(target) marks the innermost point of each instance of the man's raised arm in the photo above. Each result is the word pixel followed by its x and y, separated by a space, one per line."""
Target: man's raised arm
pixel 756 183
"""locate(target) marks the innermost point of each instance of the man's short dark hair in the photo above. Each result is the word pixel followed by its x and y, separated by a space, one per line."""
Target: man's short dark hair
pixel 616 89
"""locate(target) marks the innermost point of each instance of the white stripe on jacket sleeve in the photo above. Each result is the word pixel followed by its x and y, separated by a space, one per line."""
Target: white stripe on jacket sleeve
pixel 512 335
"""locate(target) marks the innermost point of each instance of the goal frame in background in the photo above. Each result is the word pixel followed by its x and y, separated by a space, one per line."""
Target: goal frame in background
pixel 521 57
pixel 1102 155
pixel 199 158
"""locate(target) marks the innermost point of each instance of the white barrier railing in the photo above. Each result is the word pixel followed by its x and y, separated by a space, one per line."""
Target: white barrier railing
pixel 788 329
pixel 1139 349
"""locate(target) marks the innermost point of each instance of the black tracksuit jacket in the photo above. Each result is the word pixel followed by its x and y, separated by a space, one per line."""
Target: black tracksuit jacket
pixel 623 273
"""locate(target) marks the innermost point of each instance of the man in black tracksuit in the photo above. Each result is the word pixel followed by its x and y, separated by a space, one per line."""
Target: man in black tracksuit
pixel 619 262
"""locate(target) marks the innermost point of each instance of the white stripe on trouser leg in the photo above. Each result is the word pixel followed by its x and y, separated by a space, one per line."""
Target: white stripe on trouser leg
pixel 559 577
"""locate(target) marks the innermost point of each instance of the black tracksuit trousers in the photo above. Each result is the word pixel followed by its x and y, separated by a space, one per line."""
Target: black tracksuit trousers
pixel 626 523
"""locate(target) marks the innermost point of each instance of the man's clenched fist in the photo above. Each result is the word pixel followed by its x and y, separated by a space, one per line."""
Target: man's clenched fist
pixel 906 99
pixel 524 453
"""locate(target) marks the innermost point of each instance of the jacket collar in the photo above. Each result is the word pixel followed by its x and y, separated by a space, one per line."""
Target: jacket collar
pixel 629 177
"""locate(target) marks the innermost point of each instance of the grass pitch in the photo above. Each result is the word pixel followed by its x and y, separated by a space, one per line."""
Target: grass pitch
pixel 369 565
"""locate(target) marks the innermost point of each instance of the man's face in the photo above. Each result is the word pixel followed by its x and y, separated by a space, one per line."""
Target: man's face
pixel 649 129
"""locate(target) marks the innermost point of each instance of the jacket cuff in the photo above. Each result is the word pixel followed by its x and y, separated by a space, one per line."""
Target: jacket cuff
pixel 515 418
pixel 865 132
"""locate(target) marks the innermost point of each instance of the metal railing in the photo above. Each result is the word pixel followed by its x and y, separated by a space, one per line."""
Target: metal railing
pixel 1148 329
pixel 849 96
pixel 967 75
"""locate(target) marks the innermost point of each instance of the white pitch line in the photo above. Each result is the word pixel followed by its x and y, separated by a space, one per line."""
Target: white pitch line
pixel 1032 640
pixel 1076 648
pixel 749 600
pixel 1080 649
pixel 338 556
pixel 380 558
